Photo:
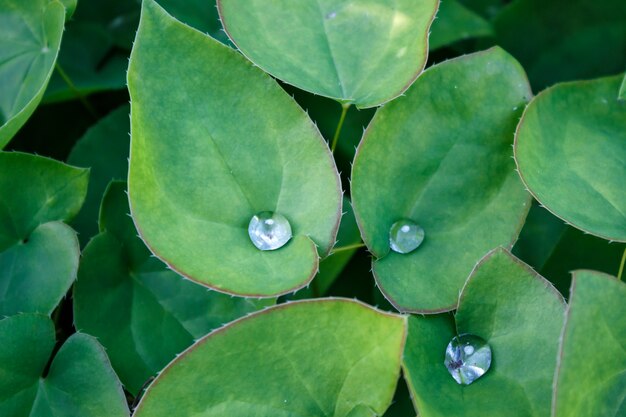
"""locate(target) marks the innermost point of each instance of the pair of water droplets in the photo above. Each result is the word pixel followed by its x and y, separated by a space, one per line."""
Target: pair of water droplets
pixel 270 231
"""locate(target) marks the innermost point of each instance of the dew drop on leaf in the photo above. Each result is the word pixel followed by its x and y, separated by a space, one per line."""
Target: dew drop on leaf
pixel 269 230
pixel 468 357
pixel 405 236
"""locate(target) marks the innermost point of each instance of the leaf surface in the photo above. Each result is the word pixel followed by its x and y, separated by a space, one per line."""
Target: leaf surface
pixel 570 149
pixel 364 52
pixel 31 35
pixel 441 156
pixel 331 357
pixel 38 253
pixel 520 315
pixel 79 383
pixel 591 376
pixel 229 144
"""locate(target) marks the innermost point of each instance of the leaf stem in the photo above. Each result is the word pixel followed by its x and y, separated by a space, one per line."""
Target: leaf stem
pixel 621 266
pixel 75 90
pixel 342 118
pixel 348 247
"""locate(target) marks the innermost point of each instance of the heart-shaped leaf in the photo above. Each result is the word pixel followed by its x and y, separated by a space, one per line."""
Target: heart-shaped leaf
pixel 591 375
pixel 230 143
pixel 103 149
pixel 30 33
pixel 570 149
pixel 454 23
pixel 38 253
pixel 364 52
pixel 520 315
pixel 441 156
pixel 560 40
pixel 79 383
pixel 143 313
pixel 330 357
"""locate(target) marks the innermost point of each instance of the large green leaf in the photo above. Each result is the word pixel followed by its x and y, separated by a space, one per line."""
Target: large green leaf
pixel 561 40
pixel 520 315
pixel 570 149
pixel 143 313
pixel 79 383
pixel 103 149
pixel 592 355
pixel 38 253
pixel 441 156
pixel 30 36
pixel 454 23
pixel 331 357
pixel 229 143
pixel 364 52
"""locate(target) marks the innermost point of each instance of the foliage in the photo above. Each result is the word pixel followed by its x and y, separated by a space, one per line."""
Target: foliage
pixel 128 281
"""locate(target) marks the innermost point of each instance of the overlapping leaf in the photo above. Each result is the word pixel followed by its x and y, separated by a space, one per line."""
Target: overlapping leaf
pixel 441 156
pixel 591 376
pixel 38 253
pixel 454 23
pixel 325 357
pixel 30 33
pixel 520 315
pixel 571 152
pixel 103 149
pixel 79 383
pixel 364 52
pixel 229 143
pixel 143 313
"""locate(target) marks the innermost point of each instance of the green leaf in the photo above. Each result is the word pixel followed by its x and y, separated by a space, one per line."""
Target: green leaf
pixel 80 382
pixel 363 52
pixel 31 35
pixel 151 313
pixel 570 149
pixel 103 149
pixel 561 40
pixel 38 253
pixel 229 143
pixel 454 23
pixel 520 315
pixel 592 355
pixel 441 156
pixel 622 90
pixel 332 357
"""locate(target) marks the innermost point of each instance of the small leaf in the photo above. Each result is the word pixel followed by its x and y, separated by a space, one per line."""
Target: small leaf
pixel 80 382
pixel 520 315
pixel 441 157
pixel 592 355
pixel 570 149
pixel 151 313
pixel 38 253
pixel 562 40
pixel 31 35
pixel 364 52
pixel 330 357
pixel 230 143
pixel 454 23
pixel 103 149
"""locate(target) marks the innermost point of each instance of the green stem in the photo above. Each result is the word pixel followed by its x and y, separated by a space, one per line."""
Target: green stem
pixel 621 266
pixel 349 247
pixel 75 90
pixel 344 111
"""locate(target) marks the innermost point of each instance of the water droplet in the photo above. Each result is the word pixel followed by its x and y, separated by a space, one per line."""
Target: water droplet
pixel 405 236
pixel 468 357
pixel 269 230
pixel 331 15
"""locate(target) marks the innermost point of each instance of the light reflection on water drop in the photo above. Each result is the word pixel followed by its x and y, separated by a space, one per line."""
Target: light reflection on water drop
pixel 468 357
pixel 269 230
